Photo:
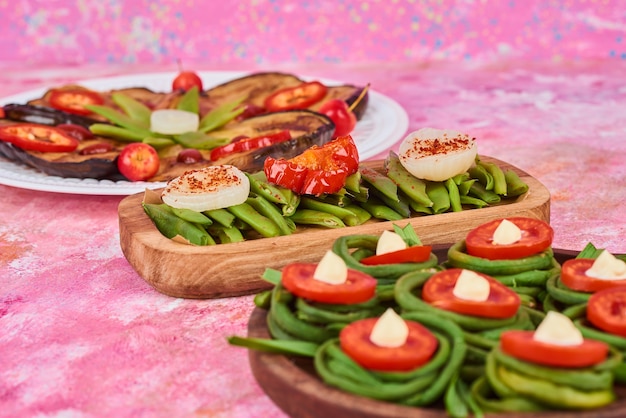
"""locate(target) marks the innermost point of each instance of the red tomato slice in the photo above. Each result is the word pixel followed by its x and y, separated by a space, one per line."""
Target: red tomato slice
pixel 521 345
pixel 502 301
pixel 247 144
pixel 419 348
pixel 298 279
pixel 606 310
pixel 74 101
pixel 33 137
pixel 536 237
pixel 573 276
pixel 414 254
pixel 298 97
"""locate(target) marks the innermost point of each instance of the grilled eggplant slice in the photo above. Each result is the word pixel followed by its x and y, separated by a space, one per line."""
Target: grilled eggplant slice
pixel 44 115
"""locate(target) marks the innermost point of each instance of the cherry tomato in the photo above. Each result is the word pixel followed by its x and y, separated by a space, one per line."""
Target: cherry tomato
pixel 74 101
pixel 79 132
pixel 246 144
pixel 573 276
pixel 501 303
pixel 97 148
pixel 298 97
pixel 522 345
pixel 343 118
pixel 298 279
pixel 606 310
pixel 185 80
pixel 138 161
pixel 536 237
pixel 414 254
pixel 354 340
pixel 34 137
pixel 189 156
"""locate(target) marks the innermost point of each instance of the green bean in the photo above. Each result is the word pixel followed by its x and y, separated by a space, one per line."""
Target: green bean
pixel 361 214
pixel 353 182
pixel 134 109
pixel 221 115
pixel 455 199
pixel 290 348
pixel 276 331
pixel 226 235
pixel 464 187
pixel 120 119
pixel 535 315
pixel 268 191
pixel 338 199
pixel 595 334
pixel 191 216
pixel 408 234
pixel 316 217
pixel 460 178
pixel 465 393
pixel 261 224
pixel 473 201
pixel 499 182
pixel 477 190
pixel 480 391
pixel 380 211
pixel 267 209
pixel 412 186
pixel 293 201
pixel 400 206
pixel 221 216
pixel 272 276
pixel 419 208
pixel 314 204
pixel 122 134
pixel 455 405
pixel 438 194
pixel 320 315
pixel 190 102
pixel 568 297
pixel 514 185
pixel 481 174
pixel 171 225
pixel 575 311
pixel 263 299
pixel 525 278
pixel 383 184
pixel 200 140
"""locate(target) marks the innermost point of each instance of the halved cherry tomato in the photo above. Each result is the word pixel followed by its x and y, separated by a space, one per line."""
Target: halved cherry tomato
pixel 318 170
pixel 138 161
pixel 189 156
pixel 79 132
pixel 573 276
pixel 354 340
pixel 606 310
pixel 501 303
pixel 414 254
pixel 298 279
pixel 251 110
pixel 537 236
pixel 185 80
pixel 343 118
pixel 247 144
pixel 97 148
pixel 298 97
pixel 34 137
pixel 74 101
pixel 522 345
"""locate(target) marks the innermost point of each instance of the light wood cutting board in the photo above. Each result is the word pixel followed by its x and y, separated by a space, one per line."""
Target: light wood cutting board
pixel 226 270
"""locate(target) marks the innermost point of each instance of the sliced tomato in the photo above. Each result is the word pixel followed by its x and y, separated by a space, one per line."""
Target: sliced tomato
pixel 414 254
pixel 298 279
pixel 606 310
pixel 247 144
pixel 573 276
pixel 419 348
pixel 34 137
pixel 74 101
pixel 537 236
pixel 298 97
pixel 501 303
pixel 522 345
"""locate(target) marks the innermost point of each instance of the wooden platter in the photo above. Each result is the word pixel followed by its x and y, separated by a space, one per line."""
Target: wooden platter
pixel 292 384
pixel 226 270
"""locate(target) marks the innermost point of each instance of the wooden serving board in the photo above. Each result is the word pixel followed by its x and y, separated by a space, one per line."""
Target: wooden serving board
pixel 226 270
pixel 293 385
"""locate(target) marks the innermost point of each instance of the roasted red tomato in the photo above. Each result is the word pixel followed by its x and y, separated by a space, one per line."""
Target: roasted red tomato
pixel 33 137
pixel 74 101
pixel 318 170
pixel 521 345
pixel 298 97
pixel 248 144
pixel 414 254
pixel 536 237
pixel 502 301
pixel 419 348
pixel 606 310
pixel 573 276
pixel 298 279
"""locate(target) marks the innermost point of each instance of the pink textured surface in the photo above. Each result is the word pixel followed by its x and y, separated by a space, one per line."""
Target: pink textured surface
pixel 81 334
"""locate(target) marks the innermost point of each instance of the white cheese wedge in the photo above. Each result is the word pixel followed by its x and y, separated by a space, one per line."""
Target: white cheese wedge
pixel 506 233
pixel 389 242
pixel 607 267
pixel 331 269
pixel 390 330
pixel 471 286
pixel 558 329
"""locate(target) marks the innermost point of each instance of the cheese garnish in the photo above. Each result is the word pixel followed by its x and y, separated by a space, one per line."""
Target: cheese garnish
pixel 558 329
pixel 390 330
pixel 471 286
pixel 607 267
pixel 331 269
pixel 389 242
pixel 506 233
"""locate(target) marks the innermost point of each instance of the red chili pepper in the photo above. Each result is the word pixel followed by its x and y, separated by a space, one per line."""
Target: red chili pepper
pixel 318 170
pixel 74 101
pixel 298 97
pixel 247 144
pixel 33 137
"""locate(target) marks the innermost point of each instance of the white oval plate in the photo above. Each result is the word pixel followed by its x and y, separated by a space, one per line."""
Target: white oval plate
pixel 385 122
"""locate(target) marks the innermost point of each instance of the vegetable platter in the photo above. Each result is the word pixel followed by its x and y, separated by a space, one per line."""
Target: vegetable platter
pixel 226 270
